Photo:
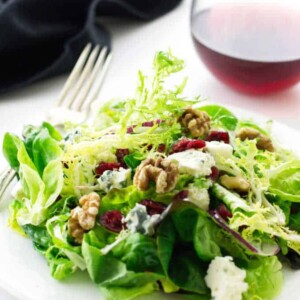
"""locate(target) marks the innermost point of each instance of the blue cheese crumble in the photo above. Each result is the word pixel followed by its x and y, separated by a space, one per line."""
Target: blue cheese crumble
pixel 219 150
pixel 137 220
pixel 225 279
pixel 116 179
pixel 193 162
pixel 198 196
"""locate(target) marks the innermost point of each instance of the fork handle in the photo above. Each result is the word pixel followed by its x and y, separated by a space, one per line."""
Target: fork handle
pixel 6 178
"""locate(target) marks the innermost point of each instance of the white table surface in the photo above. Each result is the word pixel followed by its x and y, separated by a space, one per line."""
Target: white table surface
pixel 134 45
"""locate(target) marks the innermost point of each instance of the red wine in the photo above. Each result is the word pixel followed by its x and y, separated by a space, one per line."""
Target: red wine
pixel 252 48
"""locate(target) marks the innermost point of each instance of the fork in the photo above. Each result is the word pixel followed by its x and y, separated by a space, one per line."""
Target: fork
pixel 74 102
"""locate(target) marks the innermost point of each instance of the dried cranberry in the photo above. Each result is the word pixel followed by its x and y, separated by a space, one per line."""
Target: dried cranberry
pixel 181 195
pixel 148 124
pixel 105 166
pixel 161 148
pixel 120 154
pixel 130 129
pixel 112 220
pixel 224 212
pixel 185 144
pixel 214 174
pixel 153 207
pixel 179 146
pixel 151 123
pixel 219 136
pixel 196 144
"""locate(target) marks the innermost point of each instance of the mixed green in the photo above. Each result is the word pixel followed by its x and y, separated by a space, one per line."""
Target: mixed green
pixel 191 199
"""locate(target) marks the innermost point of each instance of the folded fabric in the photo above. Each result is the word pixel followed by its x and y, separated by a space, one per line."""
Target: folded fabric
pixel 43 38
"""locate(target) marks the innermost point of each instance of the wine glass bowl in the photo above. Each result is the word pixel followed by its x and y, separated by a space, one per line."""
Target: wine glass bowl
pixel 252 46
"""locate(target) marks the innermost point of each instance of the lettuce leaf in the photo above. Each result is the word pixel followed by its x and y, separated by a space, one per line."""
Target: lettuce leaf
pixel 128 293
pixel 14 207
pixel 40 192
pixel 139 253
pixel 176 254
pixel 10 148
pixel 131 266
pixel 39 236
pixel 265 279
pixel 58 231
pixel 285 181
pixel 220 116
pixel 42 144
pixel 61 266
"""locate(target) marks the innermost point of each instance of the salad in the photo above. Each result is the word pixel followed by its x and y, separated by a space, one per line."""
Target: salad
pixel 160 193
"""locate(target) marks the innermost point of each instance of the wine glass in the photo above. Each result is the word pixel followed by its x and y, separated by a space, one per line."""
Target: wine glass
pixel 252 46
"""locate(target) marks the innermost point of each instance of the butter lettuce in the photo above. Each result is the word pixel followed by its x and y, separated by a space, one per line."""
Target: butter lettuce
pixel 285 181
pixel 40 191
pixel 10 147
pixel 265 279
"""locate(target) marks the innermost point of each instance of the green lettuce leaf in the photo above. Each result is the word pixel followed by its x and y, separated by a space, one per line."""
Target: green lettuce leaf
pixel 61 266
pixel 139 253
pixel 176 251
pixel 40 192
pixel 42 144
pixel 124 266
pixel 128 293
pixel 10 148
pixel 14 207
pixel 265 279
pixel 57 228
pixel 221 116
pixel 285 181
pixel 39 236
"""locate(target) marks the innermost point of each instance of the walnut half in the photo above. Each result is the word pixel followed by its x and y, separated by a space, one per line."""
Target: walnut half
pixel 83 218
pixel 263 141
pixel 195 121
pixel 162 171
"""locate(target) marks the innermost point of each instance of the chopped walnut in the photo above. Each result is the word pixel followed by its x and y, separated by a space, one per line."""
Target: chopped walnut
pixel 75 230
pixel 164 172
pixel 83 218
pixel 263 141
pixel 196 122
pixel 237 183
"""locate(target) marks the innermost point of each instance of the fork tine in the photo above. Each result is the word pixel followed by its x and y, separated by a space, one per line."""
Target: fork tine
pixel 79 103
pixel 6 178
pixel 83 76
pixel 74 74
pixel 95 90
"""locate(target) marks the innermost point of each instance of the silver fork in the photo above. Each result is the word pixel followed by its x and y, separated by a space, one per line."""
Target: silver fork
pixel 80 90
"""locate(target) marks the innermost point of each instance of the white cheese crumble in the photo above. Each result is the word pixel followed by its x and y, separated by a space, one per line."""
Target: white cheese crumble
pixel 198 196
pixel 225 279
pixel 116 179
pixel 219 150
pixel 193 162
pixel 137 220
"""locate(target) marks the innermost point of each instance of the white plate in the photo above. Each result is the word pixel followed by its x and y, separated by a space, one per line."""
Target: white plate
pixel 25 274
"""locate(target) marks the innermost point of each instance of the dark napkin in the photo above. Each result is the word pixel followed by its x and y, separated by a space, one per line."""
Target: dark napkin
pixel 43 38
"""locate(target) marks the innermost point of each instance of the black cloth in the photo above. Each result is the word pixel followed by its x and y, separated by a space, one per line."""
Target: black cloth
pixel 43 38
